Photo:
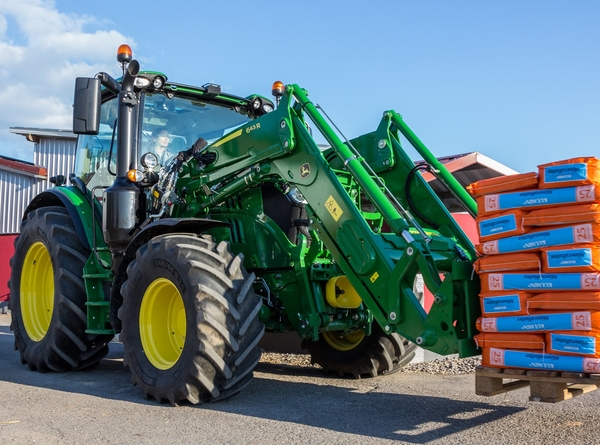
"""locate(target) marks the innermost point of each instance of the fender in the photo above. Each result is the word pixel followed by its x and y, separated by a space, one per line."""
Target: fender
pixel 152 230
pixel 80 210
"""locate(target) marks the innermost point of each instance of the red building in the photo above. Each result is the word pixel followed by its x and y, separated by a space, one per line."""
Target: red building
pixel 21 181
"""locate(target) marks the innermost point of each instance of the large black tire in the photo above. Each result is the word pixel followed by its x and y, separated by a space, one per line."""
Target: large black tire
pixel 361 356
pixel 190 320
pixel 49 325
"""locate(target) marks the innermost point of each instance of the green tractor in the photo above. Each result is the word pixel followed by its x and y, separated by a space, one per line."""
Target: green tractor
pixel 247 225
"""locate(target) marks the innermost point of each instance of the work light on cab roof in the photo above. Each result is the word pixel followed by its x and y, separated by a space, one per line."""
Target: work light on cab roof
pixel 149 81
pixel 261 106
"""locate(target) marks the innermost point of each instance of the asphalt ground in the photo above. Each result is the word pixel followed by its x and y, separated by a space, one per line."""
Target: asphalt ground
pixel 282 405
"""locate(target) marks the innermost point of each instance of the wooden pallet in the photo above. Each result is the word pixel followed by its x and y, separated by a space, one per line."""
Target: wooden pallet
pixel 544 386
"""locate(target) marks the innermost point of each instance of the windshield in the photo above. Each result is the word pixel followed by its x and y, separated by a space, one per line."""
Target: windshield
pixel 172 125
pixel 168 126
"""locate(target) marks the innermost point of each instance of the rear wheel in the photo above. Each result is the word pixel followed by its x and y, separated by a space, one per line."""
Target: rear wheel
pixel 190 320
pixel 48 295
pixel 357 355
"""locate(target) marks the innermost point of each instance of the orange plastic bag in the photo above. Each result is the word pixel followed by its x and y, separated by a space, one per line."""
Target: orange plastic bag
pixel 569 173
pixel 572 343
pixel 512 358
pixel 537 199
pixel 558 216
pixel 564 301
pixel 508 261
pixel 540 282
pixel 501 225
pixel 501 184
pixel 494 304
pixel 534 342
pixel 541 322
pixel 580 258
pixel 537 239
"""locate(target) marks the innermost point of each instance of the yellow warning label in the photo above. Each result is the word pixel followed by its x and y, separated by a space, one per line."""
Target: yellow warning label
pixel 374 277
pixel 333 208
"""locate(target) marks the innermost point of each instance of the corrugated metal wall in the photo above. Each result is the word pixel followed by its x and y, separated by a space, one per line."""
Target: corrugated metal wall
pixel 57 155
pixel 17 190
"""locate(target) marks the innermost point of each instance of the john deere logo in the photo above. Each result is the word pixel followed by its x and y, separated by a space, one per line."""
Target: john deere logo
pixel 305 170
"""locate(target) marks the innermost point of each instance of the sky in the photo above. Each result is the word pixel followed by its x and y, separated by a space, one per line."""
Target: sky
pixel 516 80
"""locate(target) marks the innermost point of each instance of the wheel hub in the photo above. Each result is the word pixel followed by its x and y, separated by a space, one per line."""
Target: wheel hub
pixel 344 342
pixel 162 323
pixel 37 291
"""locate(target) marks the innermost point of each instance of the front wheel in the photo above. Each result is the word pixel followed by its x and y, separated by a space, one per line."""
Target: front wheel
pixel 358 355
pixel 190 320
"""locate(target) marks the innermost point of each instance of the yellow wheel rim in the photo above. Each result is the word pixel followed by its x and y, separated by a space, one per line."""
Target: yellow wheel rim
pixel 37 291
pixel 162 323
pixel 344 342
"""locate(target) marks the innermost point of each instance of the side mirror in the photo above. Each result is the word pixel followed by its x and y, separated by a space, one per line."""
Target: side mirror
pixel 86 106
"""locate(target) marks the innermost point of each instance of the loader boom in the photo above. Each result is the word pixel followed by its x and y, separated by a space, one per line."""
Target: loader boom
pixel 381 266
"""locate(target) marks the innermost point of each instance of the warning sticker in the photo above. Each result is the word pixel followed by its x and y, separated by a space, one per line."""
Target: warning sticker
pixel 333 208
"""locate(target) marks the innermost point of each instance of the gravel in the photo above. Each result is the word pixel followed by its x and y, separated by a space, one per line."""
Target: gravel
pixel 444 366
pixel 296 360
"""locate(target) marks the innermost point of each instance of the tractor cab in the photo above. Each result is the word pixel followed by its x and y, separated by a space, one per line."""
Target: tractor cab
pixel 120 120
pixel 183 116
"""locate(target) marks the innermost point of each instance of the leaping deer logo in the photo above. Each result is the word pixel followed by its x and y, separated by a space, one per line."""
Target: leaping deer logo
pixel 305 170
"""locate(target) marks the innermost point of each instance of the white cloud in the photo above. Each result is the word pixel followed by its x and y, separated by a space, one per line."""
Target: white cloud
pixel 41 52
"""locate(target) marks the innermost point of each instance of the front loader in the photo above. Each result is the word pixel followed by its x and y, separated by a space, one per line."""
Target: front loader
pixel 251 226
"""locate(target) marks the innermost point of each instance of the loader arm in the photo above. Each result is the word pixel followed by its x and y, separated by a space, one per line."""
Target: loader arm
pixel 381 260
pixel 382 267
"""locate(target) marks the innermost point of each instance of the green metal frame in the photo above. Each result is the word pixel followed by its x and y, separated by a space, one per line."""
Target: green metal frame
pixel 380 250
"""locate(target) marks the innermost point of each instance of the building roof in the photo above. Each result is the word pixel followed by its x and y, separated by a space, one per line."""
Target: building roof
pixel 466 168
pixel 33 134
pixel 22 167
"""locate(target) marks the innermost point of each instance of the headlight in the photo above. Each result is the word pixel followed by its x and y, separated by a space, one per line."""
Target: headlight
pixel 150 83
pixel 260 106
pixel 141 82
pixel 149 161
pixel 158 82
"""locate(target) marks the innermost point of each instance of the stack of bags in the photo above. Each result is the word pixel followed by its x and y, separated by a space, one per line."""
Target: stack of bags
pixel 539 269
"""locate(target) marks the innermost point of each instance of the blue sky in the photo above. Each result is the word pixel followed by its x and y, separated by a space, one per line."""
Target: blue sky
pixel 515 80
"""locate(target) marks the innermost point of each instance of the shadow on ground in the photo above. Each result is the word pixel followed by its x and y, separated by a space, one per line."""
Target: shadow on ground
pixel 403 417
pixel 330 402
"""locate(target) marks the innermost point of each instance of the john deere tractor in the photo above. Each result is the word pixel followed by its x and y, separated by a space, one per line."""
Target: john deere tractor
pixel 249 226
